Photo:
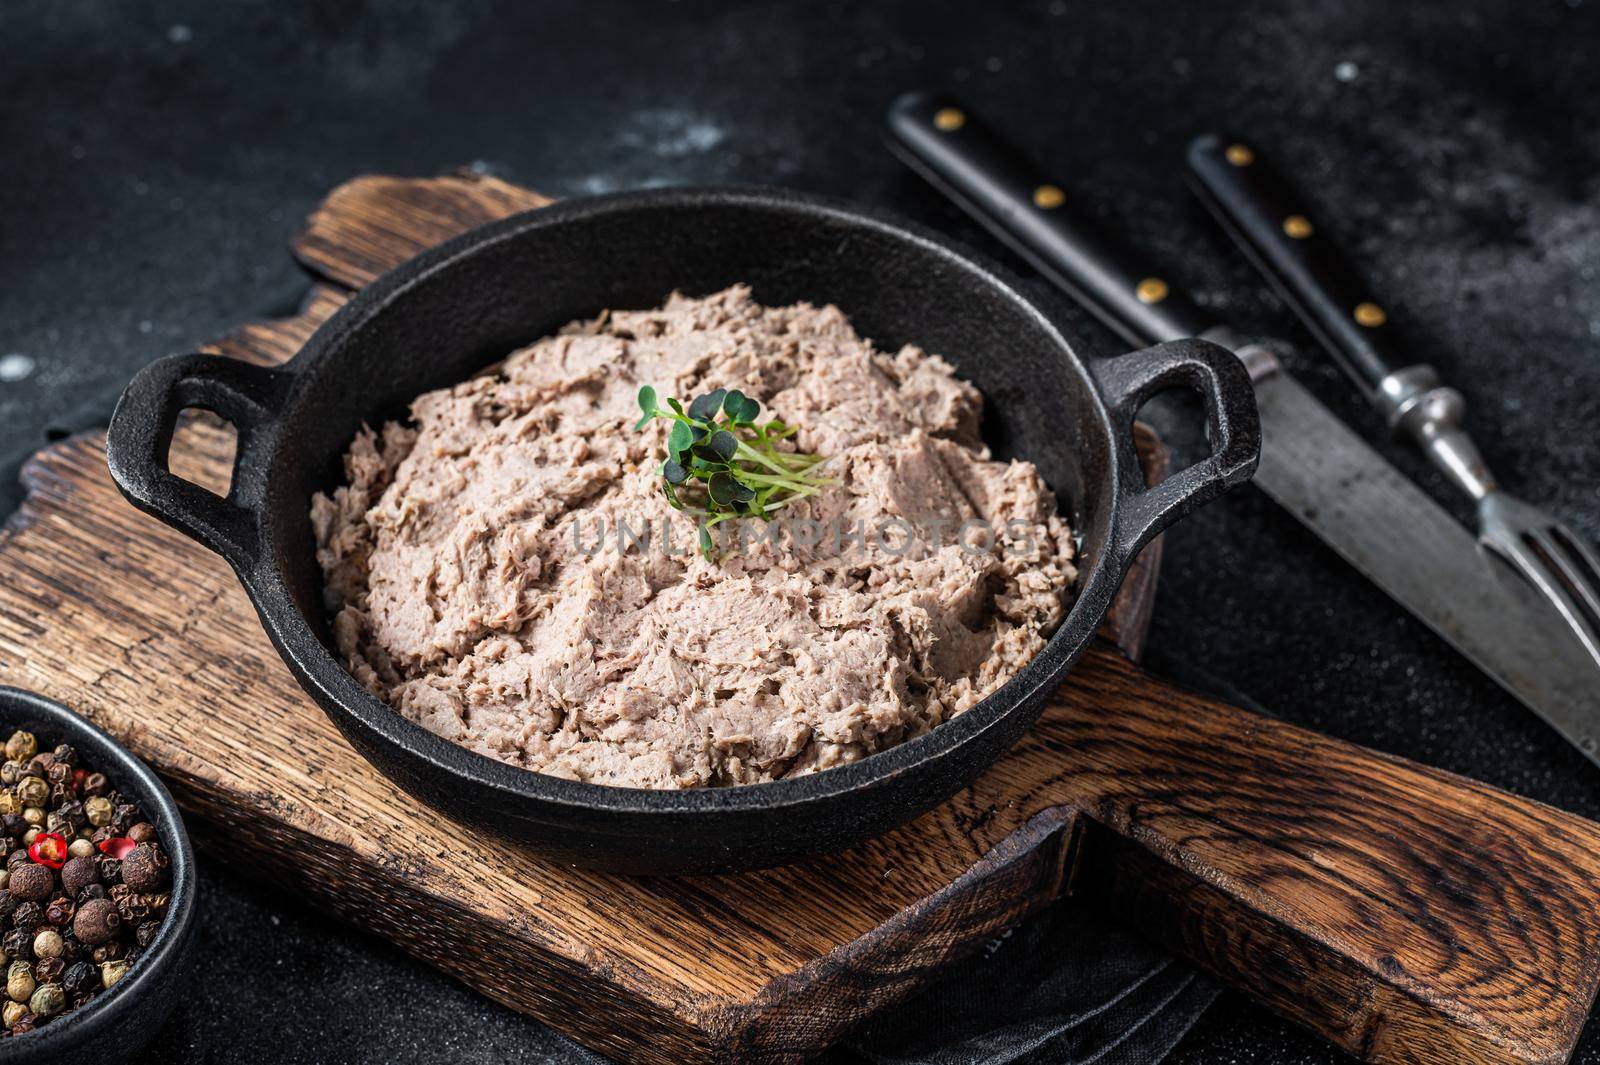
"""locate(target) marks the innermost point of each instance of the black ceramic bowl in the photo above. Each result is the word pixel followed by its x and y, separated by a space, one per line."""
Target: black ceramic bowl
pixel 119 1021
pixel 451 311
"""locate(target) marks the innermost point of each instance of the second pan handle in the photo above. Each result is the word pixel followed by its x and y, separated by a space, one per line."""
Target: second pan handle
pixel 998 186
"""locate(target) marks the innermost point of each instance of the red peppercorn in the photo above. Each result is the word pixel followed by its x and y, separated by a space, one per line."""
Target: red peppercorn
pixel 117 846
pixel 49 849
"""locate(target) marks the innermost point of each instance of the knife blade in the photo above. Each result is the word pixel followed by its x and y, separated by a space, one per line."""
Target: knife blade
pixel 1312 464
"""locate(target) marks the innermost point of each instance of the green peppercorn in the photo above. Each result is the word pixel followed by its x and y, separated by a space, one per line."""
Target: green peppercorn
pixel 78 848
pixel 10 773
pixel 49 999
pixel 5 879
pixel 99 811
pixel 32 882
pixel 9 803
pixel 19 981
pixel 97 921
pixel 112 971
pixel 21 746
pixel 12 1012
pixel 32 791
pixel 33 816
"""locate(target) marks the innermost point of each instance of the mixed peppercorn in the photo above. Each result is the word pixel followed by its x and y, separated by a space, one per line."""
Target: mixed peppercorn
pixel 84 888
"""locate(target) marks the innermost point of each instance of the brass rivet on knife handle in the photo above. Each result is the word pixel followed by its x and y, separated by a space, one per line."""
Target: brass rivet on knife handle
pixel 1151 290
pixel 949 119
pixel 1297 226
pixel 1048 197
pixel 1369 314
pixel 1240 154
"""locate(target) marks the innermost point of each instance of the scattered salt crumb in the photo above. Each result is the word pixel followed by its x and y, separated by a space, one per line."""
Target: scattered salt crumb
pixel 993 64
pixel 15 367
pixel 1347 71
pixel 179 33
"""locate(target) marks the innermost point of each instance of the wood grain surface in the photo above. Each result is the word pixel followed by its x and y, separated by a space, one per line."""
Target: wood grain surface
pixel 1407 914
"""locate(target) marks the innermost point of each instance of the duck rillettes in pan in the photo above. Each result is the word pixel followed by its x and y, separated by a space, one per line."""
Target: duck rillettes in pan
pixel 446 315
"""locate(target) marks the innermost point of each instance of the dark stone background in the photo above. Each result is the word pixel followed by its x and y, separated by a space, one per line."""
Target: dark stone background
pixel 156 158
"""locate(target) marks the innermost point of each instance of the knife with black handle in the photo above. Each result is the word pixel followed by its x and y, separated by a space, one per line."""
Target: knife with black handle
pixel 953 149
pixel 1266 219
pixel 1312 464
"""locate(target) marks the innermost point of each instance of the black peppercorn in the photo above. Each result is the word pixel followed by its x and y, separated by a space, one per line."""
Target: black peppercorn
pixel 96 890
pixel 72 948
pixel 109 868
pixel 145 934
pixel 59 772
pixel 124 817
pixel 80 979
pixel 8 903
pixel 49 970
pixel 97 921
pixel 26 1024
pixel 59 911
pixel 131 905
pixel 145 867
pixel 27 915
pixel 31 882
pixel 72 812
pixel 18 944
pixel 20 855
pixel 106 952
pixel 96 784
pixel 66 753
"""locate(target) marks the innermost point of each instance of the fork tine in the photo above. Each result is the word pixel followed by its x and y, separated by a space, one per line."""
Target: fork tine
pixel 1580 565
pixel 1540 560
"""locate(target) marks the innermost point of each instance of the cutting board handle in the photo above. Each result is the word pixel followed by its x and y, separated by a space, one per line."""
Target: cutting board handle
pixel 1403 912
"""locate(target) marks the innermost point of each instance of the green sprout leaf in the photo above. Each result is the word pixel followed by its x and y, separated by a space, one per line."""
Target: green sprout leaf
pixel 729 464
pixel 724 444
pixel 680 439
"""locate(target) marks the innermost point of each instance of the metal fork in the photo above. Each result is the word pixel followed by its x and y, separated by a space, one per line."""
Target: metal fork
pixel 1548 554
pixel 1264 215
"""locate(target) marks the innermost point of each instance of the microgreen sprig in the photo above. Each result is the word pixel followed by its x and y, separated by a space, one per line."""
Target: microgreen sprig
pixel 717 449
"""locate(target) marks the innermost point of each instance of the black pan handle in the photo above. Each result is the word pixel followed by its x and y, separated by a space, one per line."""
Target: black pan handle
pixel 996 184
pixel 140 435
pixel 1232 423
pixel 1271 225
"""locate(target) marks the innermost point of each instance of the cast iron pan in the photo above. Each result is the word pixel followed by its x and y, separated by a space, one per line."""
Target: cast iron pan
pixel 453 310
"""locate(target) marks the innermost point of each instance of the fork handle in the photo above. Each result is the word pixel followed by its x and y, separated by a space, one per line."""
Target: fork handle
pixel 1264 217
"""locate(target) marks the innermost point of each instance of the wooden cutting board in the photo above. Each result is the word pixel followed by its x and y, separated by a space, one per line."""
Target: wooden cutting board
pixel 1404 913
